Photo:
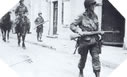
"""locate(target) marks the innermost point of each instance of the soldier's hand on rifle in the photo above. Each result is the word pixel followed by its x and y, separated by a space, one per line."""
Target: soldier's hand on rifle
pixel 101 32
pixel 81 33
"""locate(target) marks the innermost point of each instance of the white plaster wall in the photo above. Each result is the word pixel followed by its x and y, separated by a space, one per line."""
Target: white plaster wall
pixel 67 13
pixel 77 7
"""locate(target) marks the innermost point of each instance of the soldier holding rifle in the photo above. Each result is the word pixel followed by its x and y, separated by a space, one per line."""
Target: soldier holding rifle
pixel 89 40
pixel 39 26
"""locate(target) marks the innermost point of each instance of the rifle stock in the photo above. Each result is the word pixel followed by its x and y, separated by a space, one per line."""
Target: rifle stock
pixel 74 36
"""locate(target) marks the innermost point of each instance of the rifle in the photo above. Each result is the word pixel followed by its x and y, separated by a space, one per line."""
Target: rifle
pixel 75 49
pixel 41 24
pixel 74 36
pixel 76 46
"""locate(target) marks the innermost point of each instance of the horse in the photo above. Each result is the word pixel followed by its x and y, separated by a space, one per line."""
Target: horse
pixel 21 30
pixel 5 26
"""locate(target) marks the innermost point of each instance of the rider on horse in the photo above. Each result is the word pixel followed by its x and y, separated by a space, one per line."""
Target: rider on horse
pixel 21 13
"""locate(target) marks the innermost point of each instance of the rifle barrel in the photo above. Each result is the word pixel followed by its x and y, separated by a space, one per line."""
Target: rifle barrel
pixel 111 31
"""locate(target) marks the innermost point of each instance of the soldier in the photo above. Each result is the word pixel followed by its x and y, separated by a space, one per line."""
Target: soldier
pixel 22 12
pixel 86 25
pixel 39 28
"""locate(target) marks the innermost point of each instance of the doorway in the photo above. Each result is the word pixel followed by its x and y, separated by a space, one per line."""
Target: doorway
pixel 55 17
pixel 114 21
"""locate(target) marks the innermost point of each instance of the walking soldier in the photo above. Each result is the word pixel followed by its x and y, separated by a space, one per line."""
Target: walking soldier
pixel 89 40
pixel 39 28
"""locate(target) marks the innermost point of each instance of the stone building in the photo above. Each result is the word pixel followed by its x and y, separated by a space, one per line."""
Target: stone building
pixel 60 13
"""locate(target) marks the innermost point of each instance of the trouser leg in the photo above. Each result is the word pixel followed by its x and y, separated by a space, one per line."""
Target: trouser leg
pixel 83 52
pixel 37 36
pixel 95 60
pixel 82 61
pixel 37 30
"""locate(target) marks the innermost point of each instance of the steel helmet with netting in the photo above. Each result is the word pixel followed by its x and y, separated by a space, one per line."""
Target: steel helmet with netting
pixel 88 3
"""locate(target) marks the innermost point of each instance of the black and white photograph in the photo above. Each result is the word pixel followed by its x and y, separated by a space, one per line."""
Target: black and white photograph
pixel 63 38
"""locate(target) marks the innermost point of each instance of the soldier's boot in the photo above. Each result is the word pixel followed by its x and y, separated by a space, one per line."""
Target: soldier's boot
pixel 29 31
pixel 4 39
pixel 97 73
pixel 40 38
pixel 81 73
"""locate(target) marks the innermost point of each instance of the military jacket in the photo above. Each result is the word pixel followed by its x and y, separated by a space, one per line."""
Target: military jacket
pixel 87 23
pixel 39 20
pixel 21 10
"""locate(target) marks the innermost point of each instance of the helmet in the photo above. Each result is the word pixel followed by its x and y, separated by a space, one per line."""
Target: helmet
pixel 21 1
pixel 87 3
pixel 39 13
pixel 9 12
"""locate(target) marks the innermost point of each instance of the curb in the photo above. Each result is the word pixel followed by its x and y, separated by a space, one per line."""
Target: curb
pixel 34 43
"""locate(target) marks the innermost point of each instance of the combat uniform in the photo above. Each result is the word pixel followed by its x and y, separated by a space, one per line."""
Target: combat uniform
pixel 39 29
pixel 20 12
pixel 88 43
pixel 39 22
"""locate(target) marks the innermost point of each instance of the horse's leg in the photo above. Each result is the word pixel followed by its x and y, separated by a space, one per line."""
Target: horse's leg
pixel 23 40
pixel 19 38
pixel 8 34
pixel 2 32
pixel 4 35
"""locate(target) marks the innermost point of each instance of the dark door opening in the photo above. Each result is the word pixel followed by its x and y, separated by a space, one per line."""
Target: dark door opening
pixel 114 21
pixel 55 17
pixel 62 12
